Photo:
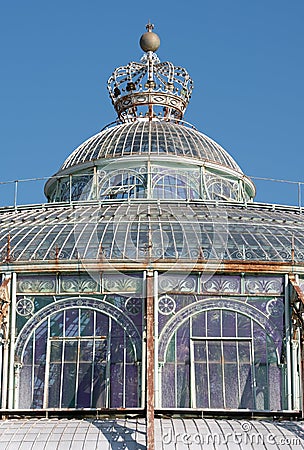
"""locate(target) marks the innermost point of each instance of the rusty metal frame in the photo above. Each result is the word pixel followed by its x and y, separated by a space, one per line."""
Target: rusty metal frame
pixel 150 362
pixel 297 303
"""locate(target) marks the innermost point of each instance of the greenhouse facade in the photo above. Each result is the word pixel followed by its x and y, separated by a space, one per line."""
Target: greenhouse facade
pixel 151 298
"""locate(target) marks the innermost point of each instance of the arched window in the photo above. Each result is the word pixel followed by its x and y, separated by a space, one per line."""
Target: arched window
pixel 175 184
pixel 221 359
pixel 122 184
pixel 79 358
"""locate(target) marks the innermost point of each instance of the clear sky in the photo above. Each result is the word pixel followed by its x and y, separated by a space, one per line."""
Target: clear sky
pixel 246 58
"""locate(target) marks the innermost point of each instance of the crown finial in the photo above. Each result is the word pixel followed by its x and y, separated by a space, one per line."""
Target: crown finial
pixel 149 41
pixel 150 88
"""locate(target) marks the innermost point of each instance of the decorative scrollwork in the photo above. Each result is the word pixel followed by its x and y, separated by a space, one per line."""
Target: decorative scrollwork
pixel 177 283
pixel 264 285
pixel 221 284
pixel 121 284
pixel 36 285
pixel 78 285
pixel 275 307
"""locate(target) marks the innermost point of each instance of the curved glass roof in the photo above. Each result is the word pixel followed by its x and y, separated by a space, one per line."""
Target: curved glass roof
pixel 157 137
pixel 155 230
pixel 130 433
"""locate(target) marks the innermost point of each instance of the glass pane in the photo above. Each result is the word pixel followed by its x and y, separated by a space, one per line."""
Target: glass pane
pixel 86 351
pixel 201 385
pixel 69 374
pixel 99 386
pixel 54 385
pixel 168 386
pixel 131 388
pixel 69 385
pixel 117 385
pixel 229 325
pixel 246 391
pixel 57 324
pixel 56 351
pixel 84 385
pixel 243 326
pixel 214 323
pixel 183 385
pixel 86 322
pixel 70 351
pixel 199 325
pixel 25 398
pixel 72 322
pixel 216 386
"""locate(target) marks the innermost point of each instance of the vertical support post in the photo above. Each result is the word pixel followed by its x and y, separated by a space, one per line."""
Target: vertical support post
pixel 16 194
pixel 95 185
pixel 288 344
pixel 12 336
pixel 144 346
pixel 299 197
pixel 4 347
pixel 302 373
pixel 150 363
pixel 149 180
pixel 156 371
pixel 70 186
pixel 296 362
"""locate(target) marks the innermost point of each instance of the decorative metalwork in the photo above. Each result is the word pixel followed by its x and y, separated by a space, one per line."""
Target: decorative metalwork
pixel 133 305
pixel 166 305
pixel 220 188
pixel 275 307
pixel 267 323
pixel 25 306
pixel 177 283
pixel 150 83
pixel 36 284
pixel 121 283
pixel 220 283
pixel 70 284
pixel 89 303
pixel 4 306
pixel 260 285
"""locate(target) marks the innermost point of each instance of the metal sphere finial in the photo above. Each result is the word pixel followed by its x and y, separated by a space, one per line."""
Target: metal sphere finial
pixel 149 41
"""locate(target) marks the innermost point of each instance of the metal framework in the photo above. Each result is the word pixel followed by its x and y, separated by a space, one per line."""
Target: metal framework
pixel 151 283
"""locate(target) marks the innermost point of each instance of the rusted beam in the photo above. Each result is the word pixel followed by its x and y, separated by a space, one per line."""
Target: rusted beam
pixel 160 265
pixel 150 363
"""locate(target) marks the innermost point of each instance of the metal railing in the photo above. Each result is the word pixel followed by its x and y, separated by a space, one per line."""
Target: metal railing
pixel 269 190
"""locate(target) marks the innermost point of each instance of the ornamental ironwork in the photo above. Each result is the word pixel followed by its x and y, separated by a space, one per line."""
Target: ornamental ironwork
pixel 137 88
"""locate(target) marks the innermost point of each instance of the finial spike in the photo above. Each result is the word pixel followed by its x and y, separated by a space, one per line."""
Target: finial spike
pixel 149 26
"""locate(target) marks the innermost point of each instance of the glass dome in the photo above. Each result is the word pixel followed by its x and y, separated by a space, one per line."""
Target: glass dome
pixel 143 137
pixel 153 159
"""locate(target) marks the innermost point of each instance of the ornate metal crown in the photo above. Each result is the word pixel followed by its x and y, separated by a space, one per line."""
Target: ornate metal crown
pixel 150 88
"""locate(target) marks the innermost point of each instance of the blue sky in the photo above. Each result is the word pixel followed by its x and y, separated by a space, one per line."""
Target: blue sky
pixel 246 58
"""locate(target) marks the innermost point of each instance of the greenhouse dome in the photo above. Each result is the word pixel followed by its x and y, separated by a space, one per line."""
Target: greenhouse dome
pixel 151 302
